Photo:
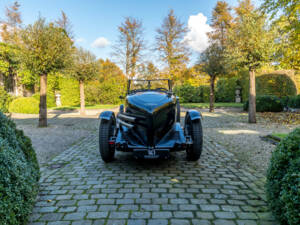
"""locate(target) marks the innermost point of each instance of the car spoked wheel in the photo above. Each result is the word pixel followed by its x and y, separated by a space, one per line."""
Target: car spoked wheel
pixel 106 132
pixel 193 128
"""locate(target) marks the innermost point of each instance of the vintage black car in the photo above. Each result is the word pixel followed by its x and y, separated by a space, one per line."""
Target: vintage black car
pixel 148 125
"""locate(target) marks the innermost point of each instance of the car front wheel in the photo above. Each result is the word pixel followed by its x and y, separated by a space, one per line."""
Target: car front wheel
pixel 193 128
pixel 106 131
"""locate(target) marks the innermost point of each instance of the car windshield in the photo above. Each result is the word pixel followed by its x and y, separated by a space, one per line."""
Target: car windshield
pixel 142 85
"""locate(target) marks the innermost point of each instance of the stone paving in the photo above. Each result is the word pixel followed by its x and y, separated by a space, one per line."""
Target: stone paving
pixel 77 187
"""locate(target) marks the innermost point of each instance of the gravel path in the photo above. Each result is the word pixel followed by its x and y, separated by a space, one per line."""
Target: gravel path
pixel 226 127
pixel 64 130
pixel 229 128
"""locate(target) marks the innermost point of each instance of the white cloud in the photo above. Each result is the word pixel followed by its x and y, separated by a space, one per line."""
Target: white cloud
pixel 100 42
pixel 196 37
pixel 80 40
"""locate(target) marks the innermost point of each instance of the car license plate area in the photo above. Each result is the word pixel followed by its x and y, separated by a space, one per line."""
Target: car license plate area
pixel 151 153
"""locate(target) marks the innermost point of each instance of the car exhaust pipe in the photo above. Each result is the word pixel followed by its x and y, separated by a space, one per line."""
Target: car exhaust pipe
pixel 126 118
pixel 125 124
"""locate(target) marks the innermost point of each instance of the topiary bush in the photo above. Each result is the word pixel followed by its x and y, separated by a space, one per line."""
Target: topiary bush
pixel 106 92
pixel 294 101
pixel 283 180
pixel 187 93
pixel 51 102
pixel 279 85
pixel 5 99
pixel 266 103
pixel 69 91
pixel 225 89
pixel 19 174
pixel 204 92
pixel 27 105
pixel 191 94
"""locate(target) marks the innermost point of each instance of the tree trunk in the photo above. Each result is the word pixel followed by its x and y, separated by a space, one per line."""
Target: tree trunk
pixel 43 101
pixel 212 94
pixel 82 101
pixel 252 98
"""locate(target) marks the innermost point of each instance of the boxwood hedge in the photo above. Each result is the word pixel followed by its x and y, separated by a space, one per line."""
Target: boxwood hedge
pixel 19 174
pixel 191 94
pixel 283 180
pixel 28 105
pixel 294 101
pixel 266 103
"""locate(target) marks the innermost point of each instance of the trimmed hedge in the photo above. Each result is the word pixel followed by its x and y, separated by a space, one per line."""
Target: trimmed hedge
pixel 294 101
pixel 266 103
pixel 191 94
pixel 5 99
pixel 225 89
pixel 27 105
pixel 50 99
pixel 106 92
pixel 19 174
pixel 283 180
pixel 69 91
pixel 279 85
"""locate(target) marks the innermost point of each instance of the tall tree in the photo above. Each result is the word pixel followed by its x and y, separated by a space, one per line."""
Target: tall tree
pixel 170 45
pixel 212 59
pixel 221 23
pixel 11 25
pixel 108 70
pixel 65 23
pixel 130 44
pixel 249 45
pixel 85 68
pixel 287 24
pixel 212 63
pixel 45 48
pixel 148 71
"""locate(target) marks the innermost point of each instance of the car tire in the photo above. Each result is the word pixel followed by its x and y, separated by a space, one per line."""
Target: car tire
pixel 193 153
pixel 177 111
pixel 106 131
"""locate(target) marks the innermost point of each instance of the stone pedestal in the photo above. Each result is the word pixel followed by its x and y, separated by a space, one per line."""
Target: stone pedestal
pixel 57 99
pixel 238 98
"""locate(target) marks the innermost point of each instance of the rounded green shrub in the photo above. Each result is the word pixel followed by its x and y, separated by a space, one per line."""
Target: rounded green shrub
pixel 204 93
pixel 69 91
pixel 285 100
pixel 294 101
pixel 225 89
pixel 283 180
pixel 191 94
pixel 51 102
pixel 19 174
pixel 187 93
pixel 279 85
pixel 5 99
pixel 27 105
pixel 106 92
pixel 266 103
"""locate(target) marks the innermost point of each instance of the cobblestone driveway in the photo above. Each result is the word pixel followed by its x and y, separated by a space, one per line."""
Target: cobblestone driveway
pixel 77 187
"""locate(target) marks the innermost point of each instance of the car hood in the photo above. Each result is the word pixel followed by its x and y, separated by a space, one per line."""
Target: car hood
pixel 149 101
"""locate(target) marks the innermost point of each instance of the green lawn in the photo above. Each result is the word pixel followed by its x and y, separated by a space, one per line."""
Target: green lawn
pixel 217 105
pixel 279 135
pixel 65 108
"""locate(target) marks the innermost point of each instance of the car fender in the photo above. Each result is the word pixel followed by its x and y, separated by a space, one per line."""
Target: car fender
pixel 106 115
pixel 194 114
pixel 121 108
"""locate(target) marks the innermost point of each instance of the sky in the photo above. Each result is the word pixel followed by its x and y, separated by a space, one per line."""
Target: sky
pixel 95 22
